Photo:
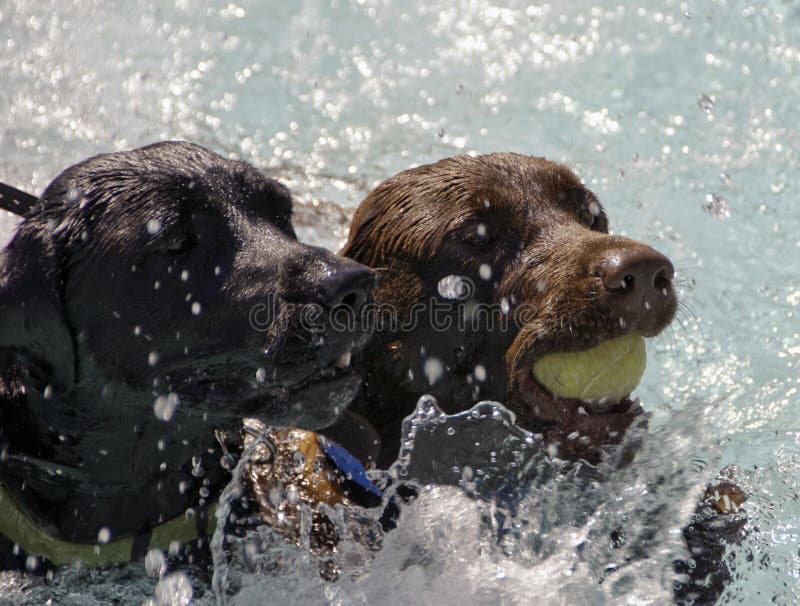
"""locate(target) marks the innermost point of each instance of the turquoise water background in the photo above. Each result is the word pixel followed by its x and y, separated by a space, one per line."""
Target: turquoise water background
pixel 682 116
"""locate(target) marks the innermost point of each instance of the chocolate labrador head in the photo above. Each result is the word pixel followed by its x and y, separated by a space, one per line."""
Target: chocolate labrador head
pixel 151 297
pixel 490 263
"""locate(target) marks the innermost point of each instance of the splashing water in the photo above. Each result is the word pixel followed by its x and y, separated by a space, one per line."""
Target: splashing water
pixel 496 520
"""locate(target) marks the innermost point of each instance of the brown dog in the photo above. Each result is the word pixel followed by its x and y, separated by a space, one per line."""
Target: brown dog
pixel 487 264
pixel 531 245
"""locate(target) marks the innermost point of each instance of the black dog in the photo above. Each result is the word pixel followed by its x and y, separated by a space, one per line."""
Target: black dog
pixel 147 299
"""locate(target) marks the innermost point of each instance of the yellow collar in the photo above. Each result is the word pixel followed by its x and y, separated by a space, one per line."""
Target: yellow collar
pixel 18 526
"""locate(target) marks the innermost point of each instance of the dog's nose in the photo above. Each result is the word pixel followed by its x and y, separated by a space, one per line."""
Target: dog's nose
pixel 639 281
pixel 348 286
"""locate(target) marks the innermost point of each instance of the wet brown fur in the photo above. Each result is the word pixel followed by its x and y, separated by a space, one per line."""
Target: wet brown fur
pixel 549 240
pixel 547 253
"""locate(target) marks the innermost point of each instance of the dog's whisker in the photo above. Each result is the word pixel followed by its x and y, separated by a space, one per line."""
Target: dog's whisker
pixel 692 343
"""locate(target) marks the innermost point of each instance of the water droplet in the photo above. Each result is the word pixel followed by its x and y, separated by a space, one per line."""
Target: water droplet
pixel 153 226
pixel 705 103
pixel 155 563
pixel 261 375
pixel 153 358
pixel 717 206
pixel 480 372
pixel 274 496
pixel 434 369
pixel 48 392
pixel 455 287
pixel 104 536
pixel 196 308
pixel 185 275
pixel 485 272
pixel 164 406
pixel 227 462
pixel 174 589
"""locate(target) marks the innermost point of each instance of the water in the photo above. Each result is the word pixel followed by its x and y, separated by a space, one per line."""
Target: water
pixel 665 108
pixel 469 539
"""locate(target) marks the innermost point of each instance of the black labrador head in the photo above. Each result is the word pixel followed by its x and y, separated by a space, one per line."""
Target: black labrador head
pixel 172 270
pixel 490 263
pixel 156 294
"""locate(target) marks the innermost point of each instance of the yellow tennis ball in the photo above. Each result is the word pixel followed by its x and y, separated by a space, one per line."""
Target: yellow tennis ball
pixel 609 371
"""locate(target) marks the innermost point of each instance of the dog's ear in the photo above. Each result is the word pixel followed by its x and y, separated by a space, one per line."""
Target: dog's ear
pixel 34 334
pixel 399 218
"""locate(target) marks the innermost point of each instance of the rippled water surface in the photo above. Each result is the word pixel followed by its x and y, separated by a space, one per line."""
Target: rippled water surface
pixel 681 116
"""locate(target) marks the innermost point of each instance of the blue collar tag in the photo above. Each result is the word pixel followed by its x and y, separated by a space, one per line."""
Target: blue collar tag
pixel 349 466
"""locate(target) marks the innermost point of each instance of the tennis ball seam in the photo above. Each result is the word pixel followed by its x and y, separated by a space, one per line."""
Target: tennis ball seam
pixel 603 371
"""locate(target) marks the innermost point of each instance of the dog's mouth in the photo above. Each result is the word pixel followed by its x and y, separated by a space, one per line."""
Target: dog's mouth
pixel 595 382
pixel 548 407
pixel 223 385
pixel 335 372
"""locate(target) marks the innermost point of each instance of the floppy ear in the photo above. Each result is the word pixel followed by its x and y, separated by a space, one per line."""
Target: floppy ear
pixel 34 334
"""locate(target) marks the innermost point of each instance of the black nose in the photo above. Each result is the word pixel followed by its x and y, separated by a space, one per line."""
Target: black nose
pixel 639 282
pixel 347 285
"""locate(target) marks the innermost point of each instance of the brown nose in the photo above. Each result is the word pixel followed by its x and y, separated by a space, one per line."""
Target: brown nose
pixel 639 282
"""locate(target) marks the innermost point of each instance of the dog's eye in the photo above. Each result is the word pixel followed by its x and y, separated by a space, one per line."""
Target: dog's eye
pixel 480 236
pixel 590 213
